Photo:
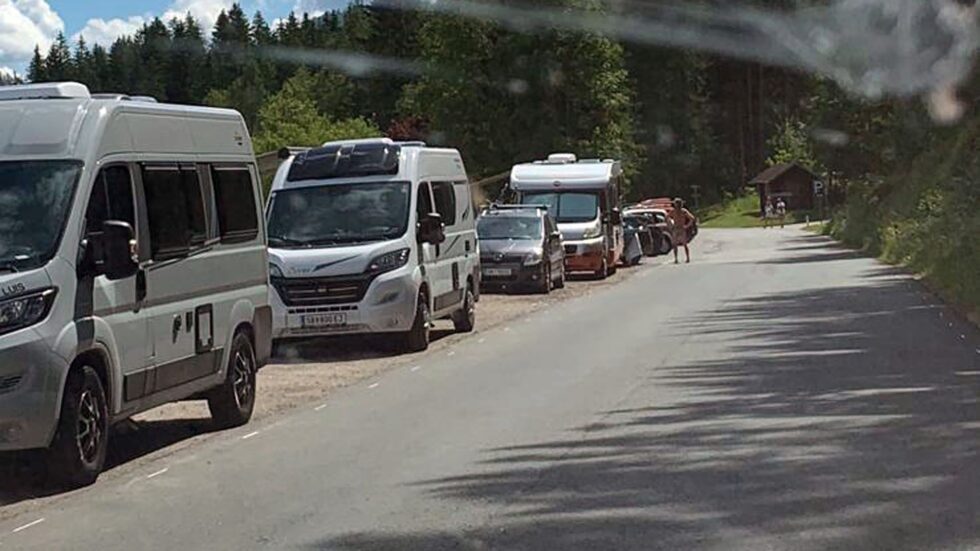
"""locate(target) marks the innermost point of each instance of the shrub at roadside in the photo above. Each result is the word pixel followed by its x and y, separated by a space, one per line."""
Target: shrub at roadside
pixel 930 225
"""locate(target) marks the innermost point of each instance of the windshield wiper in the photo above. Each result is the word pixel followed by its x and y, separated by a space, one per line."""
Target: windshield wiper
pixel 8 267
pixel 287 241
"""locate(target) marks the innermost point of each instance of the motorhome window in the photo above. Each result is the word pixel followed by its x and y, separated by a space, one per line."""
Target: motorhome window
pixel 340 214
pixel 175 211
pixel 35 197
pixel 235 201
pixel 513 228
pixel 424 204
pixel 111 199
pixel 445 197
pixel 566 207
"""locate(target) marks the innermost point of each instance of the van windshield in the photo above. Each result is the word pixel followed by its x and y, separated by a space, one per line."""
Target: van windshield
pixel 35 197
pixel 338 214
pixel 566 206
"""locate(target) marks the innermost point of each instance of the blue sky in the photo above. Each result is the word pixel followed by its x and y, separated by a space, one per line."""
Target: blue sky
pixel 24 23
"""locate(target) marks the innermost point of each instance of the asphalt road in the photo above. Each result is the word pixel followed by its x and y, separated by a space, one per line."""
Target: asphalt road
pixel 778 393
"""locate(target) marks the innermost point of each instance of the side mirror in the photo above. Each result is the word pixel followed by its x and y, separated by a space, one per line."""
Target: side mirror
pixel 431 229
pixel 119 250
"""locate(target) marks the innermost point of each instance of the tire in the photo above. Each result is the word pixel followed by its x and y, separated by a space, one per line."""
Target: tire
pixel 560 282
pixel 232 403
pixel 465 319
pixel 612 269
pixel 416 339
pixel 545 287
pixel 78 451
pixel 603 271
pixel 666 245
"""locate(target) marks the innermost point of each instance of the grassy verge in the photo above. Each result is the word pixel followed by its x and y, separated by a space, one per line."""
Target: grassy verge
pixel 928 221
pixel 741 212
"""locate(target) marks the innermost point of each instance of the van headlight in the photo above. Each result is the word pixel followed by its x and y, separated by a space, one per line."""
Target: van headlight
pixel 20 312
pixel 275 271
pixel 593 232
pixel 389 261
pixel 532 258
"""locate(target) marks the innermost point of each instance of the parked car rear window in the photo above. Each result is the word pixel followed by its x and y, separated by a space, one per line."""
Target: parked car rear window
pixel 235 201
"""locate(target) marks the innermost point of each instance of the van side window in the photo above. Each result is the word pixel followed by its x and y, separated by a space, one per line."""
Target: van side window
pixel 424 204
pixel 235 201
pixel 111 199
pixel 445 198
pixel 175 210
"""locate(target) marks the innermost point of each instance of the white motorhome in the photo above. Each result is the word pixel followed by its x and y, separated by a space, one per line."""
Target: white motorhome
pixel 583 198
pixel 372 236
pixel 133 268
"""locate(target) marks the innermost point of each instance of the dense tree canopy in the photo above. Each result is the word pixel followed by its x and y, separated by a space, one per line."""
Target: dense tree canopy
pixel 502 94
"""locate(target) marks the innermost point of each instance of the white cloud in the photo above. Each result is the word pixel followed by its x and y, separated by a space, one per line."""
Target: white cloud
pixel 318 7
pixel 105 32
pixel 24 24
pixel 205 11
pixel 6 72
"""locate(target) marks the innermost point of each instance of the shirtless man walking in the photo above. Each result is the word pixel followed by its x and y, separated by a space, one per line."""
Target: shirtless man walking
pixel 680 220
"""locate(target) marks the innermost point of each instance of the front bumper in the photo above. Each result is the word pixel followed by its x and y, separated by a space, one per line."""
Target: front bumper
pixel 492 275
pixel 31 376
pixel 387 306
pixel 585 255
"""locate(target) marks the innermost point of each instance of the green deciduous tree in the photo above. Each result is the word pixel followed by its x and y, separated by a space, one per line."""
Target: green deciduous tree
pixel 291 118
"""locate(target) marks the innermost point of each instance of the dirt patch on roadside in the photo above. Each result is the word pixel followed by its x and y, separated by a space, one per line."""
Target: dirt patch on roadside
pixel 309 371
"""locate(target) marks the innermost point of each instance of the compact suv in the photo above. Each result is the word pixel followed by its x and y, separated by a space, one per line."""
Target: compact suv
pixel 133 268
pixel 372 236
pixel 520 246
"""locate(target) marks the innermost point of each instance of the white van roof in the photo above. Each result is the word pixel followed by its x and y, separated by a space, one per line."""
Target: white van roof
pixel 379 158
pixel 564 170
pixel 64 121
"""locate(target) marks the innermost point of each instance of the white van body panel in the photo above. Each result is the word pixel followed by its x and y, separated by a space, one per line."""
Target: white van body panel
pixel 147 361
pixel 389 303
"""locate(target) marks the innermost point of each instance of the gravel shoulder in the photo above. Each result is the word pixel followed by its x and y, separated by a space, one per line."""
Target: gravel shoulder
pixel 305 373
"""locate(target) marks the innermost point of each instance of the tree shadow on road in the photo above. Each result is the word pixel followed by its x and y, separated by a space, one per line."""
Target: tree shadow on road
pixel 23 475
pixel 836 418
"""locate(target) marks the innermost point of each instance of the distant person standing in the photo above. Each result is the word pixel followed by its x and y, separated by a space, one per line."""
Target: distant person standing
pixel 681 221
pixel 781 212
pixel 767 213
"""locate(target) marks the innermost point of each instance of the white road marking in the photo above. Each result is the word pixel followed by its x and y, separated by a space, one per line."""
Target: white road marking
pixel 28 525
pixel 249 435
pixel 482 340
pixel 375 385
pixel 506 328
pixel 416 368
pixel 319 407
pixel 451 353
pixel 158 473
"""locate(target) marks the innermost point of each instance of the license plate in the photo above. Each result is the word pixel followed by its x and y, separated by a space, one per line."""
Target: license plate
pixel 496 271
pixel 324 320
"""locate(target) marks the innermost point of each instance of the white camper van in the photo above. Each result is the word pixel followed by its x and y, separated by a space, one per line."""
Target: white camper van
pixel 583 197
pixel 133 268
pixel 372 236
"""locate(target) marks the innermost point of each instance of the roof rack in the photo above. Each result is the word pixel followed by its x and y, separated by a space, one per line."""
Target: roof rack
pixel 124 97
pixel 495 206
